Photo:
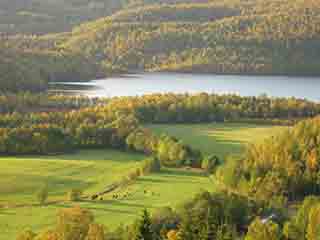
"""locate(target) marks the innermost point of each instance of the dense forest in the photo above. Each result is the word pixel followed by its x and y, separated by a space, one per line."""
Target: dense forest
pixel 203 107
pixel 283 168
pixel 251 39
pixel 32 70
pixel 225 37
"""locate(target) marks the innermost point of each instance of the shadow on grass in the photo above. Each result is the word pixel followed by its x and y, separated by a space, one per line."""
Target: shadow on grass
pixel 150 180
pixel 172 176
pixel 101 206
pixel 86 155
pixel 31 184
pixel 180 172
pixel 111 210
pixel 62 205
pixel 135 205
pixel 6 213
pixel 60 186
pixel 120 202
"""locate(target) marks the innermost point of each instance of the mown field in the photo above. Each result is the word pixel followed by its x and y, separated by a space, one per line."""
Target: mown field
pixel 216 138
pixel 92 170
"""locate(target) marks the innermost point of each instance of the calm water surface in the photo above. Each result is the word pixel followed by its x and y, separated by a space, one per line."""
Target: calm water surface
pixel 148 83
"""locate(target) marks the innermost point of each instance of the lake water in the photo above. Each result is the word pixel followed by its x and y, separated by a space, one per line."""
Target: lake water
pixel 148 83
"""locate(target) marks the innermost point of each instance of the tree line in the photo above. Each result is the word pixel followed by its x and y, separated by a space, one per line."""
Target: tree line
pixel 91 127
pixel 81 122
pixel 164 108
pixel 26 102
pixel 204 107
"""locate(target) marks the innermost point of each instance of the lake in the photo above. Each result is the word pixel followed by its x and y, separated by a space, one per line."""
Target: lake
pixel 148 83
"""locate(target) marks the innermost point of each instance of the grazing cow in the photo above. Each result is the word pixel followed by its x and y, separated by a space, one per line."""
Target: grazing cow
pixel 94 197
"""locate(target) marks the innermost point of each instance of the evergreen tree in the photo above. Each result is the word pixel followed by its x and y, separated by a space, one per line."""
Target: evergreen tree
pixel 208 229
pixel 186 227
pixel 143 228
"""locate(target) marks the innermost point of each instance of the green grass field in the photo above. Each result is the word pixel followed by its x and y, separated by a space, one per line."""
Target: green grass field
pixel 169 188
pixel 92 170
pixel 217 138
pixel 21 177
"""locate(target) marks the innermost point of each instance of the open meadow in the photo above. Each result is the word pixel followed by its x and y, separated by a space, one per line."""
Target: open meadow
pixel 92 170
pixel 221 139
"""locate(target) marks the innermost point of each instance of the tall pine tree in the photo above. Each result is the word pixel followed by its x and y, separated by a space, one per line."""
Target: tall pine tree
pixel 143 228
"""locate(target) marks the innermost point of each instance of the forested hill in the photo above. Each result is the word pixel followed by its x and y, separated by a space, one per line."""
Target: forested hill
pixel 47 16
pixel 18 72
pixel 246 37
pixel 23 69
pixel 225 37
pixel 39 17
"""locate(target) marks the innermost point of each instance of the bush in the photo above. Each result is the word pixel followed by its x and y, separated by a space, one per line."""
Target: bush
pixel 173 235
pixel 48 235
pixel 260 230
pixel 151 165
pixel 96 232
pixel 26 235
pixel 74 195
pixel 74 223
pixel 124 181
pixel 209 163
pixel 133 175
pixel 138 172
pixel 42 194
